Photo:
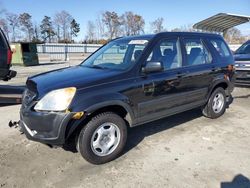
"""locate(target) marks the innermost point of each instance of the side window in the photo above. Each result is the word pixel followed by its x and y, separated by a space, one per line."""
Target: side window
pixel 221 47
pixel 137 52
pixel 196 52
pixel 168 52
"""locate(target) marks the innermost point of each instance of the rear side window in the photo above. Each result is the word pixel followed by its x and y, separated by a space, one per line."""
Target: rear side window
pixel 196 52
pixel 221 48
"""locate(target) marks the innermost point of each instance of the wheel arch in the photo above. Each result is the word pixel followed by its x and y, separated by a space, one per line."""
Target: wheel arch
pixel 118 107
pixel 223 84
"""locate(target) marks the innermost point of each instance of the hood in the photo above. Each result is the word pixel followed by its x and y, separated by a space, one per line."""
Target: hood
pixel 242 57
pixel 78 76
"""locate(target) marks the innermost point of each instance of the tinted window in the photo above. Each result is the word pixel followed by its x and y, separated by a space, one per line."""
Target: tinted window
pixel 221 47
pixel 196 52
pixel 168 52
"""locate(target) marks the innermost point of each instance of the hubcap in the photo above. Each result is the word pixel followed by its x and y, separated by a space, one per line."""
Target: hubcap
pixel 218 103
pixel 105 139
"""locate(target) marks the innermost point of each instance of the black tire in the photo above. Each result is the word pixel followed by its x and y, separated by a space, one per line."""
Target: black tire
pixel 86 136
pixel 208 110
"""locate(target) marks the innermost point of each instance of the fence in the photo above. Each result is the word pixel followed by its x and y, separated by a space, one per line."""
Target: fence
pixel 65 52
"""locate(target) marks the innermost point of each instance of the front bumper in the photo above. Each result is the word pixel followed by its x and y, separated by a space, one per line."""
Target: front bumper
pixel 243 77
pixel 45 127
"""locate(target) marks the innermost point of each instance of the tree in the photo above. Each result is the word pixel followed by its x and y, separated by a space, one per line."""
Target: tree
pixel 139 24
pixel 112 22
pixel 62 21
pixel 47 29
pixel 26 25
pixel 90 32
pixel 36 37
pixel 133 24
pixel 74 28
pixel 13 20
pixel 234 36
pixel 187 28
pixel 4 26
pixel 127 21
pixel 99 27
pixel 157 25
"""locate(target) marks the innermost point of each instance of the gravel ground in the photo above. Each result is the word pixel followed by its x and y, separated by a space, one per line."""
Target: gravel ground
pixel 185 150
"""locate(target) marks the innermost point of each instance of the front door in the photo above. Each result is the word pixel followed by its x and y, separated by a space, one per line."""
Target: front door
pixel 161 93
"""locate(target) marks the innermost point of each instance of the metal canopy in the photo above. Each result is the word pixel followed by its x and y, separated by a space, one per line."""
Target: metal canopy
pixel 221 22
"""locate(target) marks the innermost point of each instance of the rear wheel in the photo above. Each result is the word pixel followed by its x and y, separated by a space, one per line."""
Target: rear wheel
pixel 103 138
pixel 216 105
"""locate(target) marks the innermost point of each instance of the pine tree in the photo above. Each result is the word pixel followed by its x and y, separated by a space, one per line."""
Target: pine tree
pixel 75 28
pixel 47 29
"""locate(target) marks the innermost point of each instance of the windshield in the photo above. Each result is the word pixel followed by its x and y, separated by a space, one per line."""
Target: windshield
pixel 118 55
pixel 244 49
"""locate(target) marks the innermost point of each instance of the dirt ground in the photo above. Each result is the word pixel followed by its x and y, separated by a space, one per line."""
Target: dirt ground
pixel 185 150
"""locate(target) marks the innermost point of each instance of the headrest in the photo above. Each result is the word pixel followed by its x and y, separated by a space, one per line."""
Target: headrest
pixel 195 51
pixel 167 52
pixel 137 54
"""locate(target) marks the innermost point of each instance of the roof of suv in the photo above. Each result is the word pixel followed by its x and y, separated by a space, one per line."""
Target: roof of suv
pixel 138 37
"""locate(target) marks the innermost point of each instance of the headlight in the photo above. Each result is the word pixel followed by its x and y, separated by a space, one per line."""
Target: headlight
pixel 57 100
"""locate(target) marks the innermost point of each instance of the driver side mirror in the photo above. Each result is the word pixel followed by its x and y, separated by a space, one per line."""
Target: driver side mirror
pixel 153 66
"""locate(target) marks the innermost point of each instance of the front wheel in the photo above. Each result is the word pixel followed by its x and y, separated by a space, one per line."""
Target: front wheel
pixel 216 105
pixel 103 138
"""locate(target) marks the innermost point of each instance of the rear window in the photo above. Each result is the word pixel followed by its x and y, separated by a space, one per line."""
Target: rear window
pixel 221 48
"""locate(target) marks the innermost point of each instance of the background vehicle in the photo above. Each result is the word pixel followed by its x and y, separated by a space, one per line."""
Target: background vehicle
pixel 5 59
pixel 242 64
pixel 128 82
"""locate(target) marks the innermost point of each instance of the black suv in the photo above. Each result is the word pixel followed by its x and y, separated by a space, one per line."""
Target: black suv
pixel 128 82
pixel 5 59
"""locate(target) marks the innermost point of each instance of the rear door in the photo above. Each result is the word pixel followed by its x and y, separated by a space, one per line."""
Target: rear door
pixel 199 67
pixel 5 56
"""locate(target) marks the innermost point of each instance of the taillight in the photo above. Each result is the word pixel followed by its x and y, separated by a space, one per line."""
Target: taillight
pixel 9 57
pixel 229 72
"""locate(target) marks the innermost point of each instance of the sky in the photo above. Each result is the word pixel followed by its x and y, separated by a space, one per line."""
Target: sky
pixel 176 13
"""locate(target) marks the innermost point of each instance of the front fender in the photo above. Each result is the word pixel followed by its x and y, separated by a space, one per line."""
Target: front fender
pixel 91 103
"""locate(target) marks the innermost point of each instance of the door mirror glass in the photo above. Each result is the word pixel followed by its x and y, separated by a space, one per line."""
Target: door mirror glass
pixel 153 66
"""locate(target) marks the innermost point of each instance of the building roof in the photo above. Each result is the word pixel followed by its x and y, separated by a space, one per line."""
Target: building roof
pixel 221 22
